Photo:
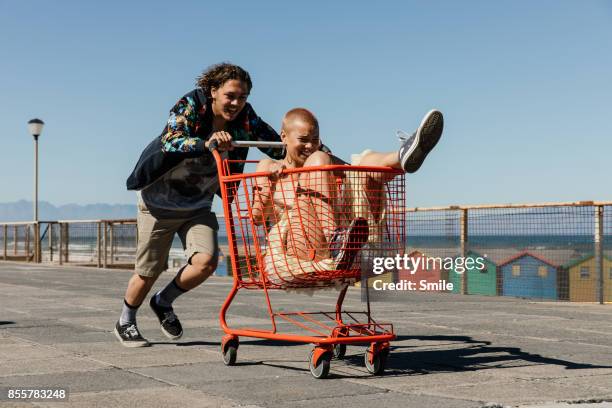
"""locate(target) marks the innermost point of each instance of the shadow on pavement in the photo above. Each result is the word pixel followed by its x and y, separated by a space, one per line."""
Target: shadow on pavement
pixel 254 342
pixel 450 354
pixel 466 354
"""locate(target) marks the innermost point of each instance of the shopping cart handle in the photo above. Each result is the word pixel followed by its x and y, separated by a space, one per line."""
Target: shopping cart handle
pixel 257 143
pixel 214 144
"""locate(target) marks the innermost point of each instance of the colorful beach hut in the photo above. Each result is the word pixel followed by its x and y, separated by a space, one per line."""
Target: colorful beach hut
pixel 529 275
pixel 427 270
pixel 583 279
pixel 480 281
pixel 560 258
pixel 387 277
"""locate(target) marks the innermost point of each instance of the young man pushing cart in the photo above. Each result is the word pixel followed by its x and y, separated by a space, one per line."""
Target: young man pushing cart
pixel 176 178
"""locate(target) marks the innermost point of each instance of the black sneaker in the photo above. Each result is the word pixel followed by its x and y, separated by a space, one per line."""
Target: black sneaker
pixel 414 149
pixel 346 242
pixel 129 335
pixel 170 324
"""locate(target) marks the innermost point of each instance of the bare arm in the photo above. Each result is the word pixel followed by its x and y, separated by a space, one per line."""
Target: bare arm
pixel 263 191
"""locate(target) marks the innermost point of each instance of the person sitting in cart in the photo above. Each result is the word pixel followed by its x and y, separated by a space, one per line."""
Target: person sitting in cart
pixel 311 226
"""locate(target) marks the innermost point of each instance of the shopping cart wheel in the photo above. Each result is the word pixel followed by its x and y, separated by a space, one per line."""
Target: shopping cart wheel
pixel 229 349
pixel 375 361
pixel 321 370
pixel 339 351
pixel 229 356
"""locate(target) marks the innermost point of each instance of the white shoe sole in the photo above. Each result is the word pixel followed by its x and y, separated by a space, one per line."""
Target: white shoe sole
pixel 164 331
pixel 170 336
pixel 415 144
pixel 417 138
pixel 130 344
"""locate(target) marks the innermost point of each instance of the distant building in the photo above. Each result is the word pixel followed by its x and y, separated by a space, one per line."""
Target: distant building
pixel 367 269
pixel 529 275
pixel 583 279
pixel 429 269
pixel 480 281
pixel 560 258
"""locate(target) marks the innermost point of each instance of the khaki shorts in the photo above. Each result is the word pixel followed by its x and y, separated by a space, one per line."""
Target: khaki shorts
pixel 198 234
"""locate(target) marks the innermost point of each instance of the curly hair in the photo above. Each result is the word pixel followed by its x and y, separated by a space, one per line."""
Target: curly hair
pixel 216 75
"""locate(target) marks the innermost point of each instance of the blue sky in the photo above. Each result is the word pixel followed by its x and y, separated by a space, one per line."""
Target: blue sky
pixel 525 87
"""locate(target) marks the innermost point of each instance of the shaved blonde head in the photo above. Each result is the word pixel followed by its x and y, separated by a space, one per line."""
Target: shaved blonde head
pixel 299 115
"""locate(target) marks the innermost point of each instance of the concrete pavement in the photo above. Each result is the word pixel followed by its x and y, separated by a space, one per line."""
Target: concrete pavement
pixel 453 351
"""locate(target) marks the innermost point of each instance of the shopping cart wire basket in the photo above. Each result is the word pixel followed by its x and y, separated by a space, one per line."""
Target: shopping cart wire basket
pixel 311 228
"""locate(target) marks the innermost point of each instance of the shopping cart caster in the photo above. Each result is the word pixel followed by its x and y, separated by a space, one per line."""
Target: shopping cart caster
pixel 339 351
pixel 319 362
pixel 375 358
pixel 229 349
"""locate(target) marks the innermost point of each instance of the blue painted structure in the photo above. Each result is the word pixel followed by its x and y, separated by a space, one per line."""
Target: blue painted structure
pixel 529 283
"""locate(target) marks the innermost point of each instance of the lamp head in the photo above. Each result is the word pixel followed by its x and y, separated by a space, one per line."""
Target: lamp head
pixel 35 127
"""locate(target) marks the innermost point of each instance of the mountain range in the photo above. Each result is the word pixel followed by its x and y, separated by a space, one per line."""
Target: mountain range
pixel 22 211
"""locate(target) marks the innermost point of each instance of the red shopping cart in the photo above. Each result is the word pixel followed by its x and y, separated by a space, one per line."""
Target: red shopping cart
pixel 311 228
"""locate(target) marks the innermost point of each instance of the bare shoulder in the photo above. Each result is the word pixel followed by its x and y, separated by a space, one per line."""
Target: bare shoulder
pixel 336 159
pixel 264 164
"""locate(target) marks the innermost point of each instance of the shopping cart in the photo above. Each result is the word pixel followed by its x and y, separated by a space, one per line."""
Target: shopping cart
pixel 362 210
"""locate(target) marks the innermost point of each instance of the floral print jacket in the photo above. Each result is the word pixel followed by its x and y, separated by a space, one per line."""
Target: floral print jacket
pixel 188 127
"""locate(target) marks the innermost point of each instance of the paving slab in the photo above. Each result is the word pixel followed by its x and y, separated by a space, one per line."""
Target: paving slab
pixel 574 404
pixel 172 396
pixel 213 372
pixel 76 381
pixel 387 400
pixel 284 390
pixel 36 366
pixel 516 392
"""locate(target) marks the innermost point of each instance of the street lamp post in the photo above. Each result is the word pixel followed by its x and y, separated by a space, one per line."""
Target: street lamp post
pixel 35 127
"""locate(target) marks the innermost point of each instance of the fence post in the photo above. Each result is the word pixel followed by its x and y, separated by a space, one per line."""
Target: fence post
pixel 37 247
pixel 105 258
pixel 15 235
pixel 5 235
pixel 61 243
pixel 50 231
pixel 66 242
pixel 464 240
pixel 599 222
pixel 27 242
pixel 99 244
pixel 112 242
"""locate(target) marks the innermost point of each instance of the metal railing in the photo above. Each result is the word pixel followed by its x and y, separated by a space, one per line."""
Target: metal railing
pixel 552 251
pixel 99 243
